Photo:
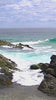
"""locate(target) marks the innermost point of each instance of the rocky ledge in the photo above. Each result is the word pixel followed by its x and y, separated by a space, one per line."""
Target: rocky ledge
pixel 48 85
pixel 7 67
pixel 17 46
pixel 3 42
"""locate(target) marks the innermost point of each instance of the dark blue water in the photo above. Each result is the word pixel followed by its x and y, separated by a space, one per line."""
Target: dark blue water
pixel 20 35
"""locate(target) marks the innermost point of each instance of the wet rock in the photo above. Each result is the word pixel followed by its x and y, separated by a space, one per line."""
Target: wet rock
pixel 17 46
pixel 7 67
pixel 28 46
pixel 53 60
pixel 34 67
pixel 3 42
pixel 51 71
pixel 42 66
pixel 21 46
pixel 5 80
pixel 4 62
pixel 48 85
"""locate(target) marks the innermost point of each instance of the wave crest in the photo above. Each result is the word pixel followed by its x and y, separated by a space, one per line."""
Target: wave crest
pixel 52 40
pixel 31 42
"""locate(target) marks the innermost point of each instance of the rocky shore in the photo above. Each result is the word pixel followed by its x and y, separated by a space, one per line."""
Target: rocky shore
pixel 48 85
pixel 7 68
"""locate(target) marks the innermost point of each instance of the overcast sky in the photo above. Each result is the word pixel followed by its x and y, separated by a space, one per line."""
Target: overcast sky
pixel 27 13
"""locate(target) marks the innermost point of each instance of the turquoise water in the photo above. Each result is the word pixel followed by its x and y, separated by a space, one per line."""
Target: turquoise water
pixel 43 42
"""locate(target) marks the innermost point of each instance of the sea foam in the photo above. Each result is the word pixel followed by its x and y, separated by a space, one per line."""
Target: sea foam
pixel 25 76
pixel 24 60
pixel 31 42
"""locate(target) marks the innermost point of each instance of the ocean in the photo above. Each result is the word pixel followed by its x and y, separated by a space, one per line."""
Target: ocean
pixel 43 41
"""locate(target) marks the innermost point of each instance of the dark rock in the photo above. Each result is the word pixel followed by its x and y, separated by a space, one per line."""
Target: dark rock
pixel 51 71
pixel 28 46
pixel 4 62
pixel 34 67
pixel 53 60
pixel 22 45
pixel 42 66
pixel 5 80
pixel 6 70
pixel 3 42
pixel 48 85
pixel 18 46
pixel 53 57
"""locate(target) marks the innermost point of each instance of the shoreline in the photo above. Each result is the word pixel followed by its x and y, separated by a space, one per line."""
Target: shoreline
pixel 18 92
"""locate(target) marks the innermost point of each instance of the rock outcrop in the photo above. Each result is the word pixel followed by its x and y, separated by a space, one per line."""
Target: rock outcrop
pixel 48 85
pixel 17 46
pixel 42 66
pixel 6 70
pixel 3 42
pixel 34 67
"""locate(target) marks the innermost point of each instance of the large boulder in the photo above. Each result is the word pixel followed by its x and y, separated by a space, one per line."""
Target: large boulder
pixel 5 80
pixel 42 66
pixel 7 68
pixel 4 62
pixel 52 65
pixel 48 85
pixel 53 60
pixel 34 67
pixel 51 71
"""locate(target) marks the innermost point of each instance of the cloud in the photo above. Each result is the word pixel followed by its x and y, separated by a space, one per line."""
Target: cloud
pixel 28 10
pixel 53 0
pixel 12 6
pixel 44 19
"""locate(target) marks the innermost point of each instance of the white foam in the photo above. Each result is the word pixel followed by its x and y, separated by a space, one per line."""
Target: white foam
pixel 25 76
pixel 43 49
pixel 5 46
pixel 26 48
pixel 47 40
pixel 29 43
pixel 28 78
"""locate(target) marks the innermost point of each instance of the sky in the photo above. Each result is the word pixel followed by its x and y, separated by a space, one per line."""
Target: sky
pixel 27 13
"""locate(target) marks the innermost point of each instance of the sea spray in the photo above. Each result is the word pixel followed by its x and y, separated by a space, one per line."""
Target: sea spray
pixel 23 60
pixel 43 42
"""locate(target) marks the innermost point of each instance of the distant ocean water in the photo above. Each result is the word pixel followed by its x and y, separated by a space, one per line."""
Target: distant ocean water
pixel 44 43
